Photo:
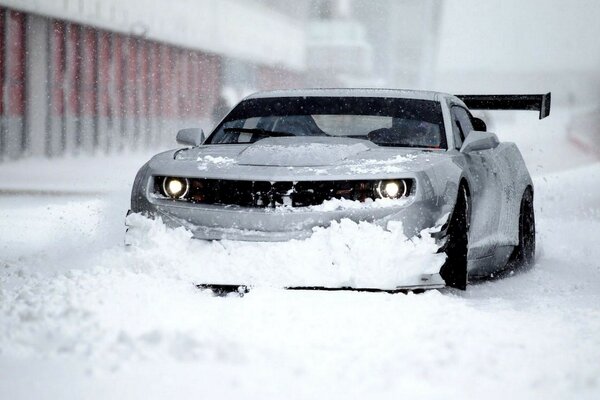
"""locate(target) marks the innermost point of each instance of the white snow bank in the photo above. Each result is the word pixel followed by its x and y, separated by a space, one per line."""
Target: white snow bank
pixel 544 144
pixel 345 204
pixel 347 253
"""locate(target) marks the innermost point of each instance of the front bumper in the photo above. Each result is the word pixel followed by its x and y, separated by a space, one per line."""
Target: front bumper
pixel 270 225
pixel 216 222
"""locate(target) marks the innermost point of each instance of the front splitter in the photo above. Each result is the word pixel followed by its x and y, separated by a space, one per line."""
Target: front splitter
pixel 433 281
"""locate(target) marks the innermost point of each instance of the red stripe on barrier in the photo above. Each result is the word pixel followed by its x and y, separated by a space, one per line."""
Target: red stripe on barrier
pixel 130 59
pixel 584 146
pixel 57 70
pixel 167 68
pixel 118 75
pixel 87 87
pixel 72 69
pixel 142 92
pixel 154 93
pixel 2 62
pixel 15 63
pixel 211 82
pixel 103 59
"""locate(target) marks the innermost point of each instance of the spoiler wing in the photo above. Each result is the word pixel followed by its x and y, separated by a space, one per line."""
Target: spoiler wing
pixel 530 102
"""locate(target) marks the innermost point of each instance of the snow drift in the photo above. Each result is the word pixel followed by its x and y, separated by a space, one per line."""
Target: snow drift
pixel 361 255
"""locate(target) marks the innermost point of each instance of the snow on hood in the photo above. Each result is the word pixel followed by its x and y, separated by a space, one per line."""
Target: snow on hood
pixel 301 151
pixel 207 161
pixel 305 157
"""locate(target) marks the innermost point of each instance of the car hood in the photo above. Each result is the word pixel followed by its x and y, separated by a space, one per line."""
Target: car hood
pixel 301 151
pixel 305 157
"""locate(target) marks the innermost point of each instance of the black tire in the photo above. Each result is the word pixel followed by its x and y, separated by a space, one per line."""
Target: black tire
pixel 523 255
pixel 454 270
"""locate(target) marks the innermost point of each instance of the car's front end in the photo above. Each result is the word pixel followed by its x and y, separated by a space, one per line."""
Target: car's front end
pixel 277 169
pixel 217 198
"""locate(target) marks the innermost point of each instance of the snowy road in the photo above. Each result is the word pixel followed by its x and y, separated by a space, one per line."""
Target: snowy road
pixel 82 317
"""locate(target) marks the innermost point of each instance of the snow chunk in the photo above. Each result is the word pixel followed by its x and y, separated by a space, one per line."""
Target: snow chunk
pixel 345 204
pixel 335 204
pixel 391 165
pixel 205 161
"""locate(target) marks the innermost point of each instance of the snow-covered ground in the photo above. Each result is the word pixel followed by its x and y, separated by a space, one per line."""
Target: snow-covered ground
pixel 83 317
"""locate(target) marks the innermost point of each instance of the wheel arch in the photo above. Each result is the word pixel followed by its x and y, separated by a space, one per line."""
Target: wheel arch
pixel 455 270
pixel 465 183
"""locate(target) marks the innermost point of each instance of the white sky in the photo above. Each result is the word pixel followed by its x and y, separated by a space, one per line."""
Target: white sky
pixel 520 35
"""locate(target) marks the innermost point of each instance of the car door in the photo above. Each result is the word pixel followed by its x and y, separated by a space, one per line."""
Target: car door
pixel 461 127
pixel 485 186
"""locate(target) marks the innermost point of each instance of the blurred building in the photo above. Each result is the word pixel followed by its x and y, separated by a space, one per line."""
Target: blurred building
pixel 104 75
pixel 518 46
pixel 389 43
pixel 338 53
pixel 405 38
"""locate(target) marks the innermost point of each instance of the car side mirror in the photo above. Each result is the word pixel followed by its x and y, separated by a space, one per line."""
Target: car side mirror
pixel 191 136
pixel 479 124
pixel 477 141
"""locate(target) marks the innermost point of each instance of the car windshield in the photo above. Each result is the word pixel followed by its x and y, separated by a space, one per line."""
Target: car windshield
pixel 383 121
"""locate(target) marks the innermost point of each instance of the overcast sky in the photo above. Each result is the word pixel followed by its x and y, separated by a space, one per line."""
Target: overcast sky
pixel 520 35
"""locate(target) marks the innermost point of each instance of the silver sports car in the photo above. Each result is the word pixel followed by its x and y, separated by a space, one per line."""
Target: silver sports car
pixel 284 162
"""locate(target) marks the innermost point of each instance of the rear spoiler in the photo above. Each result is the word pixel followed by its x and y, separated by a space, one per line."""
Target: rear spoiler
pixel 530 102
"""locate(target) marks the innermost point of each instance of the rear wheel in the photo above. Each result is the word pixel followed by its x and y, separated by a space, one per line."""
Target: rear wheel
pixel 454 270
pixel 523 255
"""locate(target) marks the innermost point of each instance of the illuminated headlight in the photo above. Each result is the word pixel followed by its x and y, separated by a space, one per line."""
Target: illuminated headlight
pixel 392 189
pixel 175 188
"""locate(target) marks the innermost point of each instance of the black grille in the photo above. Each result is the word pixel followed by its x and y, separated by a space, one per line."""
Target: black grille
pixel 273 194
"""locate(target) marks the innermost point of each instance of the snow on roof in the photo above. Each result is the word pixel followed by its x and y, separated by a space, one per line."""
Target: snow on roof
pixel 351 92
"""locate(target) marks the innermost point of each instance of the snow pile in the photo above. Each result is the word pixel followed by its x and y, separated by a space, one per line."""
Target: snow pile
pixel 335 204
pixel 345 204
pixel 345 254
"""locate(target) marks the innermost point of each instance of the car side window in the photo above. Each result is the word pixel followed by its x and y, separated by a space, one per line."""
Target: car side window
pixel 456 131
pixel 461 124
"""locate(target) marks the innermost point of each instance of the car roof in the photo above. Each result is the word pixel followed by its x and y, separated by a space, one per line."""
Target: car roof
pixel 351 92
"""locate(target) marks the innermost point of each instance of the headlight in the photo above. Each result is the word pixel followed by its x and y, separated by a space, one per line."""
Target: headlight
pixel 175 188
pixel 392 189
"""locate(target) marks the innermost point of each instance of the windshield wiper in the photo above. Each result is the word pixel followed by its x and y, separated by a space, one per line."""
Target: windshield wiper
pixel 415 146
pixel 258 131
